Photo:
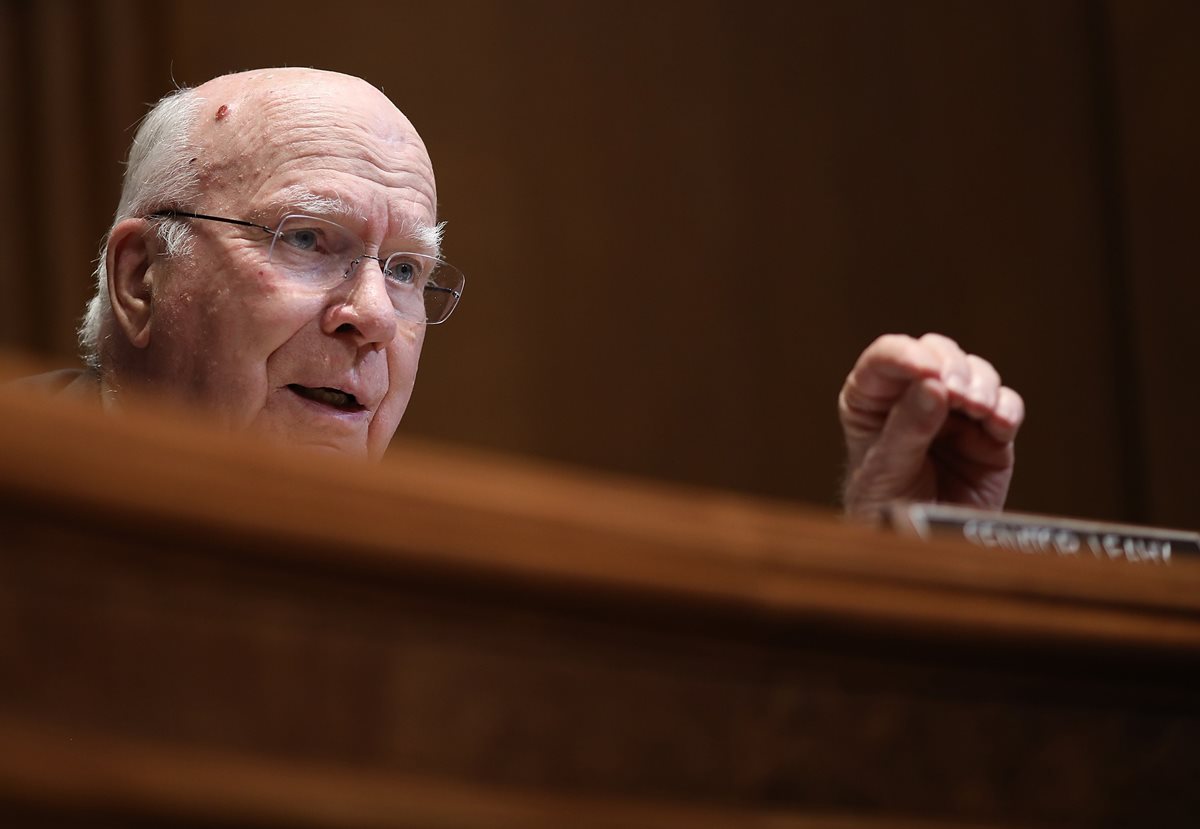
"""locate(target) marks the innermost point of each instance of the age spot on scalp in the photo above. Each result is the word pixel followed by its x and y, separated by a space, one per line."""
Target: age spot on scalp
pixel 222 111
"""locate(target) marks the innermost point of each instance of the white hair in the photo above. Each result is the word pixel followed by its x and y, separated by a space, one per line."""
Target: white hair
pixel 297 198
pixel 161 172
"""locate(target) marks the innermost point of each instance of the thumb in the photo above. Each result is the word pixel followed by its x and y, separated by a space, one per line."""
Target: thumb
pixel 912 424
pixel 892 468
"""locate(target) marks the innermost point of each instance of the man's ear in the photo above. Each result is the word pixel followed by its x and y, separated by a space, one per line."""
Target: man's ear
pixel 130 260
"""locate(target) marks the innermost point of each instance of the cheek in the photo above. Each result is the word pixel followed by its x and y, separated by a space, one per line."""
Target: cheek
pixel 405 350
pixel 267 315
pixel 240 330
pixel 410 336
pixel 403 356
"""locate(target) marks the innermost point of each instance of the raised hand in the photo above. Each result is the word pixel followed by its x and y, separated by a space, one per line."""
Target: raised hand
pixel 925 421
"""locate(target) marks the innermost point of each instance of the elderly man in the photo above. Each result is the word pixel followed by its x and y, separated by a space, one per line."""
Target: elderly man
pixel 274 261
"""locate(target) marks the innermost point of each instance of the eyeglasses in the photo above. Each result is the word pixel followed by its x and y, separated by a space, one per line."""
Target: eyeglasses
pixel 320 254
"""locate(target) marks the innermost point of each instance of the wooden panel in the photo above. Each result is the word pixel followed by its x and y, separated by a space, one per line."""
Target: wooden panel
pixel 17 290
pixel 59 203
pixel 107 782
pixel 536 640
pixel 70 93
pixel 1159 129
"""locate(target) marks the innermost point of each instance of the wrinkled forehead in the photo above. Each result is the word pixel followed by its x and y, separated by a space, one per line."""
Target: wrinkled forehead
pixel 320 131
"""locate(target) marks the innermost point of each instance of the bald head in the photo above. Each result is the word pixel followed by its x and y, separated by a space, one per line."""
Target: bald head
pixel 195 307
pixel 250 119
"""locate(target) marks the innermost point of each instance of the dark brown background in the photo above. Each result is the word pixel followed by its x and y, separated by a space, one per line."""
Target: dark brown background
pixel 681 221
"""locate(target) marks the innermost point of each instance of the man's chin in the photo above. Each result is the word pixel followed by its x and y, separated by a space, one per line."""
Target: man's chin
pixel 330 449
pixel 299 424
pixel 321 445
pixel 327 441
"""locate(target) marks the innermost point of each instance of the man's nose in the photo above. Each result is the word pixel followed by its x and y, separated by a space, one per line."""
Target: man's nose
pixel 365 312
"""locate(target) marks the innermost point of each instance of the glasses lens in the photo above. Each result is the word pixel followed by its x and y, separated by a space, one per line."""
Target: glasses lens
pixel 444 291
pixel 423 288
pixel 318 254
pixel 314 251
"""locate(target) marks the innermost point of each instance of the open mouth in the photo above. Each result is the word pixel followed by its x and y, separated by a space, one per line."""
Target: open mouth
pixel 338 399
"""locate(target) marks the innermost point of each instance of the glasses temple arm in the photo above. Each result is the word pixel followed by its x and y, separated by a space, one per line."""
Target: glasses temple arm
pixel 182 214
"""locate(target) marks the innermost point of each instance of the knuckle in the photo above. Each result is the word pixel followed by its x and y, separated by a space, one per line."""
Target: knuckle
pixel 942 344
pixel 890 342
pixel 935 338
pixel 982 369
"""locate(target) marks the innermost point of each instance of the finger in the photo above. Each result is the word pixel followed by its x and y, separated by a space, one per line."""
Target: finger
pixel 983 388
pixel 896 464
pixel 911 427
pixel 955 372
pixel 884 371
pixel 1004 421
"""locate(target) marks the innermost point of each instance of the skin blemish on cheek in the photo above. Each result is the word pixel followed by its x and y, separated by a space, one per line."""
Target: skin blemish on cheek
pixel 222 111
pixel 407 332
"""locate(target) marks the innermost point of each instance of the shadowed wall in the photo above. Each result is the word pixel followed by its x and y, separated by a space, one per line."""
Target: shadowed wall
pixel 681 222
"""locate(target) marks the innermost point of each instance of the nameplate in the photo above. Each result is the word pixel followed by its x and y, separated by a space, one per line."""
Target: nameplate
pixel 1044 534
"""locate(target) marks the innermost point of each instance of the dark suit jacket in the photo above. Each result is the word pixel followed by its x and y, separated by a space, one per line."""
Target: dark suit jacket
pixel 74 383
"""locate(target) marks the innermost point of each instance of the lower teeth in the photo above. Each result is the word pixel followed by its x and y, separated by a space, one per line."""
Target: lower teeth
pixel 332 398
pixel 327 396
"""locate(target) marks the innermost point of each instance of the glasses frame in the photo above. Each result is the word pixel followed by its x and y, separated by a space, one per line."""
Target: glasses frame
pixel 456 294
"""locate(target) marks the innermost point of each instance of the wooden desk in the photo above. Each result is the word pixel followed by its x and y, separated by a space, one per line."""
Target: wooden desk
pixel 200 631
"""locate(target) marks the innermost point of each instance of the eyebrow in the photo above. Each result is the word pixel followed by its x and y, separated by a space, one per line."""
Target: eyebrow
pixel 300 199
pixel 428 238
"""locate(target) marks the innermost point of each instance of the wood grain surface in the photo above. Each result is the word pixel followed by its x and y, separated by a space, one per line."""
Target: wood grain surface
pixel 199 630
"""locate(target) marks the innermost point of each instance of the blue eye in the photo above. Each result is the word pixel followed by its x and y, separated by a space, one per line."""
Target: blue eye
pixel 301 238
pixel 404 272
pixel 406 269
